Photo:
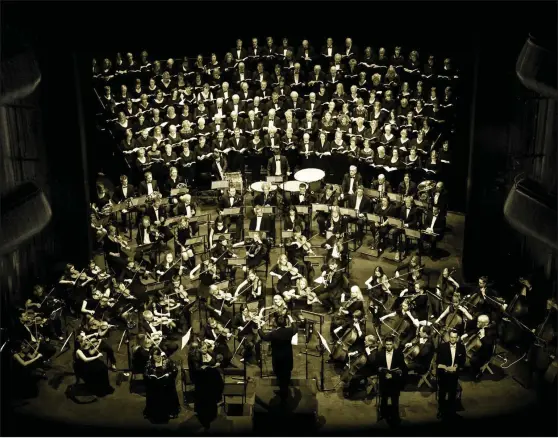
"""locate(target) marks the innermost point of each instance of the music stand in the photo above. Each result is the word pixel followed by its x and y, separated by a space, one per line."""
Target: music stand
pixel 351 212
pixel 219 185
pixel 318 318
pixel 231 211
pixel 302 209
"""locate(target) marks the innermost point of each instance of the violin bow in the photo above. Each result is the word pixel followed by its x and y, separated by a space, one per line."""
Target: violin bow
pixel 78 277
pixel 391 328
pixel 47 295
pixel 122 339
pixel 394 277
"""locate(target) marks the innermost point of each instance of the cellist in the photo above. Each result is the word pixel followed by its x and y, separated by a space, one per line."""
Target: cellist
pixel 418 353
pixel 479 344
pixel 348 336
pixel 354 303
pixel 452 316
pixel 362 361
pixel 400 324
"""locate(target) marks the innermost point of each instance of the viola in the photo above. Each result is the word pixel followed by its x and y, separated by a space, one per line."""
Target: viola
pixel 221 330
pixel 162 320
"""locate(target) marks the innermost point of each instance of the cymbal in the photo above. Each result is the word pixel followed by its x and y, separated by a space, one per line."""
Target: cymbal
pixel 426 185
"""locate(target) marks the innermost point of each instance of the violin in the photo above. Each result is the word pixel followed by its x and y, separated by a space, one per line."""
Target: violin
pixel 31 318
pixel 120 240
pixel 221 330
pixel 182 293
pixel 167 302
pixel 162 320
pixel 107 301
pixel 100 325
pixel 303 243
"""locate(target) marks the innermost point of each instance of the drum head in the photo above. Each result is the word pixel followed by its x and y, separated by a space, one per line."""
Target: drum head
pixel 257 186
pixel 309 175
pixel 291 186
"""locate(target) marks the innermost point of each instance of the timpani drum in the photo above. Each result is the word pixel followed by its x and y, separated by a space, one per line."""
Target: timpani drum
pixel 311 176
pixel 257 186
pixel 291 186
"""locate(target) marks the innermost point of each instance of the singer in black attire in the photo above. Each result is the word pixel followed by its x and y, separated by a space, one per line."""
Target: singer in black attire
pixel 281 353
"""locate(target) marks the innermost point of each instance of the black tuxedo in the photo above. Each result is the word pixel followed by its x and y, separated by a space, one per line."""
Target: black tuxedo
pixel 264 75
pixel 387 186
pixel 365 204
pixel 276 122
pixel 412 219
pixel 345 186
pixel 410 191
pixel 251 125
pixel 272 105
pixel 281 355
pixel 265 225
pixel 289 104
pixel 271 166
pixel 118 195
pixel 170 184
pixel 295 199
pixel 237 56
pixel 213 110
pixel 237 78
pixel 302 52
pixel 225 202
pixel 261 199
pixel 143 187
pixel 391 388
pixel 442 202
pixel 448 382
pixel 230 108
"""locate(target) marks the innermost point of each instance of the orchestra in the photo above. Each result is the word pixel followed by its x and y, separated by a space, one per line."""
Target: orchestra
pixel 257 252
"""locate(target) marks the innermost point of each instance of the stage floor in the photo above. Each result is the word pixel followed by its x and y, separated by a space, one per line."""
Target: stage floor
pixel 496 394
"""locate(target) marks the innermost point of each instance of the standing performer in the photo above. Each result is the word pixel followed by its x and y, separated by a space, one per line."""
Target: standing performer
pixel 281 352
pixel 392 370
pixel 450 360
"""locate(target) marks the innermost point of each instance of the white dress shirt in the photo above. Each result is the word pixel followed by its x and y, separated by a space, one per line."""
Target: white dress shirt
pixel 258 222
pixel 351 183
pixel 146 239
pixel 278 167
pixel 357 203
pixel 389 358
pixel 149 188
pixel 125 191
pixel 433 222
pixel 453 349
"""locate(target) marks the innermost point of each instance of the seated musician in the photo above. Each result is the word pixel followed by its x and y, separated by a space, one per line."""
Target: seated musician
pixel 435 226
pixel 256 251
pixel 411 218
pixel 338 249
pixel 479 344
pixel 300 297
pixel 262 223
pixel 94 372
pixel 218 227
pixel 219 164
pixel 251 288
pixel 166 308
pixel 446 286
pixel 349 334
pixel 302 197
pixel 48 304
pixel 148 186
pixel 297 247
pixel 278 309
pixel 244 327
pixel 330 199
pixel 485 300
pixel 336 223
pixel 292 220
pixel 232 200
pixel 188 208
pixel 420 300
pixel 381 184
pixel 450 360
pixel 147 235
pixel 381 229
pixel 176 291
pixel 218 335
pixel 219 304
pixel 123 192
pixel 114 247
pixel 265 199
pixel 284 273
pixel 169 268
pixel 452 316
pixel 157 214
pixel 349 306
pixel 420 351
pixel 331 291
pixel 174 181
pixel 183 234
pixel 360 360
pixel 351 181
pixel 97 331
pixel 401 324
pixel 220 254
pixel 379 292
pixel 278 165
pixel 362 205
pixel 156 329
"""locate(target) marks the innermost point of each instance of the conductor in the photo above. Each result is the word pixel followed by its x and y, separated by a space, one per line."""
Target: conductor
pixel 281 352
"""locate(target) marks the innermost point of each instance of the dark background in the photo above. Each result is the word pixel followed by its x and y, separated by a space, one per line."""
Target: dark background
pixel 483 38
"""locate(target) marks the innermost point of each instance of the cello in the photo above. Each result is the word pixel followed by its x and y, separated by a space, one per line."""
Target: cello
pixel 343 344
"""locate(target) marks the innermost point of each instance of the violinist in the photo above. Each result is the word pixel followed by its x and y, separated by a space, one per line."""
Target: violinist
pixel 266 199
pixel 345 314
pixel 114 246
pixel 379 292
pixel 188 208
pixel 381 229
pixel 164 311
pixel 330 295
pixel 184 233
pixel 154 328
pixel 285 274
pixel 76 283
pixel 208 276
pixel 419 352
pixel 92 369
pixel 335 224
pixel 347 336
pixel 400 325
pixel 221 253
pixel 262 223
pixel 168 269
pixel 338 249
pixel 29 368
pixel 146 238
pixel 99 303
pixel 251 287
pixel 50 305
pixel 479 343
pixel 453 316
pixel 330 199
pixel 256 251
pixel 219 227
pixel 292 220
pixel 244 324
pixel 303 294
pixel 218 335
pixel 297 247
pixel 419 300
pixel 232 200
pixel 219 304
pixel 96 330
pixel 392 371
pixel 450 360
pixel 180 295
pixel 125 305
pixel 96 272
pixel 414 270
pixel 361 360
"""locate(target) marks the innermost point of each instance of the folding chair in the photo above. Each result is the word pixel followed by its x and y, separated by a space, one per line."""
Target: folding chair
pixel 425 378
pixel 486 366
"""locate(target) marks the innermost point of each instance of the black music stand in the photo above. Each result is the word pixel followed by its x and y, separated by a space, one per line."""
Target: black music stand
pixel 319 318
